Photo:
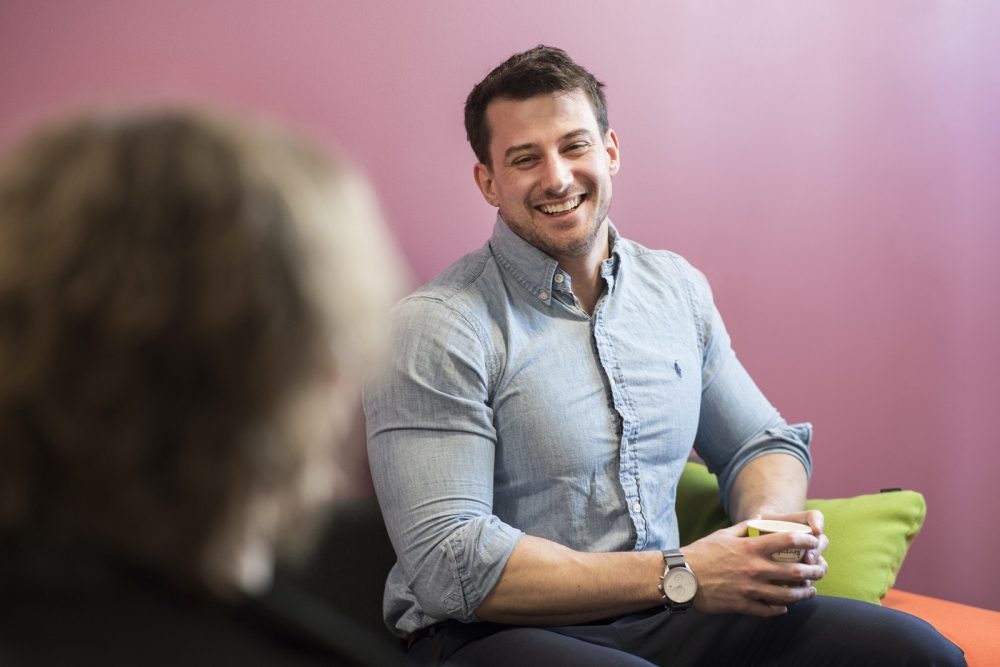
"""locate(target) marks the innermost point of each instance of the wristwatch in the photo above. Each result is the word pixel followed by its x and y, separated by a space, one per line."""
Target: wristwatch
pixel 678 583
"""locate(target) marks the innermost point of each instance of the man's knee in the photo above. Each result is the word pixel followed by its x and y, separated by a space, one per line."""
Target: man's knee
pixel 918 641
pixel 860 633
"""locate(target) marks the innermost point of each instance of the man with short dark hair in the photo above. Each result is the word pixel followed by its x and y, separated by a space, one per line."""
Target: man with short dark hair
pixel 543 395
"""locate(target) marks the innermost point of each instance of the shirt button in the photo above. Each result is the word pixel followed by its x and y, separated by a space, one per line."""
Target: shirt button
pixel 559 277
pixel 543 296
pixel 637 507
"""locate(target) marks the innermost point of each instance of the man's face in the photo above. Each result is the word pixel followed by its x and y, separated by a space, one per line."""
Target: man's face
pixel 551 171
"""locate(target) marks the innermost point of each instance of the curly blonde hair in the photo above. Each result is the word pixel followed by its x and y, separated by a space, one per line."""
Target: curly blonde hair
pixel 183 298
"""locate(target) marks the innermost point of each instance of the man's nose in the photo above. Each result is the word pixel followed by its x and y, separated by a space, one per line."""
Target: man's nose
pixel 557 176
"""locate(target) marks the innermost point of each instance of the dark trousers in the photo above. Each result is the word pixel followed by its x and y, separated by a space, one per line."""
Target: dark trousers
pixel 821 631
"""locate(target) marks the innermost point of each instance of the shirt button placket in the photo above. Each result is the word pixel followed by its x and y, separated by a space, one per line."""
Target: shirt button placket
pixel 628 458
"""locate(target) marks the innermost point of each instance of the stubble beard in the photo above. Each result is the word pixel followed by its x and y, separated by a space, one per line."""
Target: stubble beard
pixel 573 249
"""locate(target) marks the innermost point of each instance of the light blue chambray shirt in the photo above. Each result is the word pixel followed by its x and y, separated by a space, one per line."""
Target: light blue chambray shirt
pixel 505 409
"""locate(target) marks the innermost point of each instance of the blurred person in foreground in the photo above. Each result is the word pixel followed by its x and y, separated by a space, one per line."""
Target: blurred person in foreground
pixel 187 303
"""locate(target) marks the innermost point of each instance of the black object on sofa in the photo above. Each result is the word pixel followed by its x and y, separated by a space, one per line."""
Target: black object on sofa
pixel 349 567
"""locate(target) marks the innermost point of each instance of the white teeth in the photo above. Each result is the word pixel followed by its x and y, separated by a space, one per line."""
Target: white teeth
pixel 560 208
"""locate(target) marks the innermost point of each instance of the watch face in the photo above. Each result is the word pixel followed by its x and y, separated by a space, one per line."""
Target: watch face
pixel 680 585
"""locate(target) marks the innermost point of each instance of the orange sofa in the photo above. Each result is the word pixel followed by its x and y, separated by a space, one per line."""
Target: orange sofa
pixel 976 631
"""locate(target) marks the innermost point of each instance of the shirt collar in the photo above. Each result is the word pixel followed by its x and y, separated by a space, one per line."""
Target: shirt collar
pixel 533 268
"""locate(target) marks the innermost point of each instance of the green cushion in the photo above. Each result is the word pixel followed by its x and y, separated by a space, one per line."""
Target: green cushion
pixel 869 535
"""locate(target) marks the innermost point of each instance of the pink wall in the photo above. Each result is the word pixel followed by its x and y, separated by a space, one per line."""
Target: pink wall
pixel 832 167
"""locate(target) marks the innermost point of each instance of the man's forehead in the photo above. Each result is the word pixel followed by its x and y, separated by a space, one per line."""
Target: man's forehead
pixel 556 113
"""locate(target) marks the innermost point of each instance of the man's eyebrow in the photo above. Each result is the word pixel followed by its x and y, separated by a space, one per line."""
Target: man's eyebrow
pixel 582 132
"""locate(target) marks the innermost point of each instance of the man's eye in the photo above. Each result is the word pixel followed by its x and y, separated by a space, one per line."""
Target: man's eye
pixel 521 161
pixel 577 147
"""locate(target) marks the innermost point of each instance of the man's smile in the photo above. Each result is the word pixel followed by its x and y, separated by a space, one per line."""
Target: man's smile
pixel 563 207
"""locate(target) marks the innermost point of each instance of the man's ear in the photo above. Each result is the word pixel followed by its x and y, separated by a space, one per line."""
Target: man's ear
pixel 487 184
pixel 611 145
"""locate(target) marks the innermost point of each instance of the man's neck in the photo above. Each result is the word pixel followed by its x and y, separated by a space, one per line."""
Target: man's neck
pixel 585 271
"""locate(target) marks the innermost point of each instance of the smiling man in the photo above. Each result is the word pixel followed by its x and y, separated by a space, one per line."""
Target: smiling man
pixel 541 400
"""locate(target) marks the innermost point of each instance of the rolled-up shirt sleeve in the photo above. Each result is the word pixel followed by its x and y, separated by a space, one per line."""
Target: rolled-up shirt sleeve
pixel 431 444
pixel 737 423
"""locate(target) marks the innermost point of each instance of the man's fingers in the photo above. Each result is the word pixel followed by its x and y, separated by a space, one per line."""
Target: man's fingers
pixel 782 596
pixel 815 520
pixel 768 569
pixel 758 608
pixel 774 599
pixel 815 556
pixel 796 572
pixel 775 542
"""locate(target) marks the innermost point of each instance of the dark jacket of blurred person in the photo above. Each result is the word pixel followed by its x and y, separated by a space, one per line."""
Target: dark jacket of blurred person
pixel 186 305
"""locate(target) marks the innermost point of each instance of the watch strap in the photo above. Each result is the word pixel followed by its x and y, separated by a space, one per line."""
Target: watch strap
pixel 673 558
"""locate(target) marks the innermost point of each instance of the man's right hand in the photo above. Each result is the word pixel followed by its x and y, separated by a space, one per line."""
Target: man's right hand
pixel 736 573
